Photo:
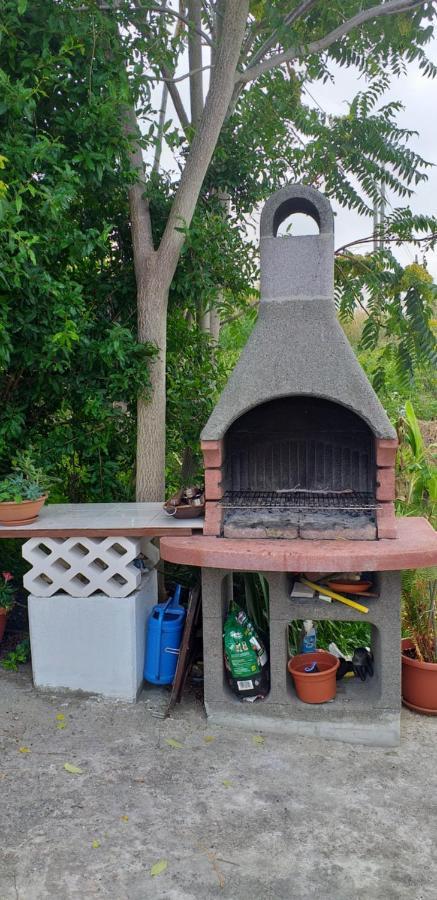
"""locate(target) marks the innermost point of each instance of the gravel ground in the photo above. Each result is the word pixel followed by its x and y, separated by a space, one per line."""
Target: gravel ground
pixel 232 815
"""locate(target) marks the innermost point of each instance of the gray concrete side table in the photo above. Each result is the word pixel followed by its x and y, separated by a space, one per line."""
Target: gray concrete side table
pixel 88 600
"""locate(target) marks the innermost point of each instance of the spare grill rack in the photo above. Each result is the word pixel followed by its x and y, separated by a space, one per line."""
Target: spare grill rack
pixel 298 500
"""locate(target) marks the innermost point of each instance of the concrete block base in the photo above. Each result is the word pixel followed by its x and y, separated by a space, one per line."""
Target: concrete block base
pixel 362 712
pixel 380 730
pixel 92 644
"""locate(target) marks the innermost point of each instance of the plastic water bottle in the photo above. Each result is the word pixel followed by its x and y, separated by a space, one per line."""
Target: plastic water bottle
pixel 308 637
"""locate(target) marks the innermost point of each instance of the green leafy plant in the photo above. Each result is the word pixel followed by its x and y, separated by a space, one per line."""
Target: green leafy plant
pixel 419 612
pixel 417 467
pixel 7 592
pixel 25 482
pixel 251 591
pixel 347 635
pixel 17 657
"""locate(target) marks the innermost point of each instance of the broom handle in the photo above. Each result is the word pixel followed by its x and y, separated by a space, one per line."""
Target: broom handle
pixel 322 590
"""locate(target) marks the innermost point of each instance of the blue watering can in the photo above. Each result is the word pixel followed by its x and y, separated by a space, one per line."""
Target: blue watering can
pixel 164 635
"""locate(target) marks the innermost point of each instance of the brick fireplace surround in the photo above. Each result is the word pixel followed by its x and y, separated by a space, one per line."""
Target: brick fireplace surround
pixel 298 368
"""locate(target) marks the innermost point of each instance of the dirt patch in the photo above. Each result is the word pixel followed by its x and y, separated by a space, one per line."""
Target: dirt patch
pixel 429 432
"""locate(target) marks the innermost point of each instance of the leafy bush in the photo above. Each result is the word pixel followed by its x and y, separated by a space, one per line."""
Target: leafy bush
pixel 7 592
pixel 417 468
pixel 17 657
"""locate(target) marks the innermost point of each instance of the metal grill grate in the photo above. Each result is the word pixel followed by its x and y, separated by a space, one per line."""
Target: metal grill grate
pixel 298 500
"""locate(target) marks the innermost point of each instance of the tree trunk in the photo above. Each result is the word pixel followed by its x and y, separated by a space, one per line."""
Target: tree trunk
pixel 205 321
pixel 215 325
pixel 154 270
pixel 152 316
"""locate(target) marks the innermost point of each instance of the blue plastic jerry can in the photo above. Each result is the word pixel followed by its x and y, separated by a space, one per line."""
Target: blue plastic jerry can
pixel 165 626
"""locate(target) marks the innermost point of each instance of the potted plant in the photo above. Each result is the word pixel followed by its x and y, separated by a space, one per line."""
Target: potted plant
pixel 23 492
pixel 419 646
pixel 6 599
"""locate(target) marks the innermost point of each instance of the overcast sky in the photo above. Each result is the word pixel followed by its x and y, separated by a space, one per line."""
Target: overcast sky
pixel 419 96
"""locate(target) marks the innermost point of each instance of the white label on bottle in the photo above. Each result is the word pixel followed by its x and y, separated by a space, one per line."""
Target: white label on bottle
pixel 245 685
pixel 263 658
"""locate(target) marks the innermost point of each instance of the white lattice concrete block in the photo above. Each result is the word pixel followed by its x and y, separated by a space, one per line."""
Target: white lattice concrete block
pixel 82 566
pixel 93 644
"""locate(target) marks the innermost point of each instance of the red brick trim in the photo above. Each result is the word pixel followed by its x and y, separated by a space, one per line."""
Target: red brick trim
pixel 212 454
pixel 386 452
pixel 385 484
pixel 213 488
pixel 386 521
pixel 213 520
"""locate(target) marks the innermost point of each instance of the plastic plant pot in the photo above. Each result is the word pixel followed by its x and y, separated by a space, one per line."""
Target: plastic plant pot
pixel 419 682
pixel 314 687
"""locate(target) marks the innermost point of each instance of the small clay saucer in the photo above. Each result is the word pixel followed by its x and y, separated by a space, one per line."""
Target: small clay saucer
pixel 420 709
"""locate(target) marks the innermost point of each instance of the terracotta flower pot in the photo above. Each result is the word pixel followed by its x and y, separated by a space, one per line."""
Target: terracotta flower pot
pixel 3 620
pixel 419 682
pixel 315 687
pixel 23 513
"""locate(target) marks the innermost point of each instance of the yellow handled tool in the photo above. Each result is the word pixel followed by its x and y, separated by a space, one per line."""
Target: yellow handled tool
pixel 322 590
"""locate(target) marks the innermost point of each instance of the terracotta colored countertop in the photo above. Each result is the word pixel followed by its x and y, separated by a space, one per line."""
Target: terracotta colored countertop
pixel 415 547
pixel 64 520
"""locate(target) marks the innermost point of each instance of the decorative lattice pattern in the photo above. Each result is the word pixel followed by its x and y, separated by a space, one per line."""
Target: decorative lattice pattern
pixel 81 566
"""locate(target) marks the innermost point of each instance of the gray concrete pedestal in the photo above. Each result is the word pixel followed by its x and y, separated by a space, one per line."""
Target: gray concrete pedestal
pixel 94 644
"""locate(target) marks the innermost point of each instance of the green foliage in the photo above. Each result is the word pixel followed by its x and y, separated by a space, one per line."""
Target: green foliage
pixel 71 368
pixel 419 612
pixel 26 481
pixel 70 365
pixel 17 657
pixel 395 391
pixel 251 591
pixel 16 487
pixel 347 635
pixel 418 468
pixel 7 591
pixel 398 305
pixel 194 379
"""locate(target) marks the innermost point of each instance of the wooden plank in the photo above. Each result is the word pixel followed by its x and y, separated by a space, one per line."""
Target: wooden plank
pixel 186 649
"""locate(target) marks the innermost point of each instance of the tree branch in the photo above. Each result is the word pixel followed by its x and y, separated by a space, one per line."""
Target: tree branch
pixel 189 74
pixel 394 239
pixel 297 13
pixel 195 61
pixel 141 226
pixel 205 139
pixel 161 120
pixel 390 8
pixel 176 98
pixel 166 74
pixel 177 15
pixel 161 123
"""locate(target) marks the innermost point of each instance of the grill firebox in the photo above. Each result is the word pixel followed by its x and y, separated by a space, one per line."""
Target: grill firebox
pixel 299 444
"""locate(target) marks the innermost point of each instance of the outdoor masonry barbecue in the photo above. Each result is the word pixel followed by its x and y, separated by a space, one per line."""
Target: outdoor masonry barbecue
pixel 299 473
pixel 299 444
pixel 299 478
